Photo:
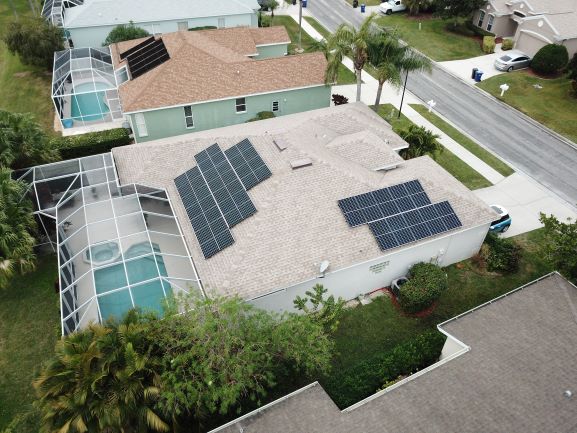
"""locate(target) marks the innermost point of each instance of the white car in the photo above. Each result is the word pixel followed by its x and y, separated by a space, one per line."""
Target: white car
pixel 391 6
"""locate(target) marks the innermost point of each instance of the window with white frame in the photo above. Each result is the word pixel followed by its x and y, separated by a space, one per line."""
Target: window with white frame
pixel 221 23
pixel 241 105
pixel 481 18
pixel 122 75
pixel 490 22
pixel 275 106
pixel 141 125
pixel 188 117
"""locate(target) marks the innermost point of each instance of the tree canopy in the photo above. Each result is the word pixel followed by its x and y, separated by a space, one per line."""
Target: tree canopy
pixel 457 8
pixel 34 40
pixel 560 246
pixel 124 32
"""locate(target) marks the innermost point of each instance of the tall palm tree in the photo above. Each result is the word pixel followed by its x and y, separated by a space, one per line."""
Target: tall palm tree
pixel 347 41
pixel 101 380
pixel 391 59
pixel 17 226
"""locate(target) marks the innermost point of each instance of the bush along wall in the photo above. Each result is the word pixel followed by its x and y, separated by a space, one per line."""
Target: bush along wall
pixel 93 143
pixel 426 283
pixel 364 379
pixel 503 254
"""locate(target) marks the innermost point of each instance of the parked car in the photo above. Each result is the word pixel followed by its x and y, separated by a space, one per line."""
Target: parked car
pixel 502 224
pixel 391 6
pixel 513 60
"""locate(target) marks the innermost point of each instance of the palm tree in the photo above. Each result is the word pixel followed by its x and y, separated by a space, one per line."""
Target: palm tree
pixel 421 142
pixel 347 41
pixel 17 226
pixel 391 58
pixel 272 5
pixel 414 6
pixel 101 380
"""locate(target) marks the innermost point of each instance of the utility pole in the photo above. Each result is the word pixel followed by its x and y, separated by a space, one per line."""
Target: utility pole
pixel 403 97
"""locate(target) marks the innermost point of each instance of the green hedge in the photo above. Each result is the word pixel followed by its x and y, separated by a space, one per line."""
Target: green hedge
pixel 93 143
pixel 488 44
pixel 507 44
pixel 550 59
pixel 426 283
pixel 261 115
pixel 367 377
pixel 194 29
pixel 503 255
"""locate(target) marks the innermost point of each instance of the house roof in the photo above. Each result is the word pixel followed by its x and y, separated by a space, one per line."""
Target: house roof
pixel 521 361
pixel 113 12
pixel 298 223
pixel 214 64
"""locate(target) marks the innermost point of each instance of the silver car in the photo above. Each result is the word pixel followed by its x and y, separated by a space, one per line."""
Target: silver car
pixel 512 60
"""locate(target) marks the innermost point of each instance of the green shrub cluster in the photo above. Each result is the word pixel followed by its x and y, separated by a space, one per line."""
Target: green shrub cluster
pixel 426 283
pixel 261 115
pixel 367 377
pixel 467 28
pixel 502 255
pixel 93 143
pixel 489 44
pixel 507 44
pixel 194 29
pixel 550 59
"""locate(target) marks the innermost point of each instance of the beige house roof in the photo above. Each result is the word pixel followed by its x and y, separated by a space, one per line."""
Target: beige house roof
pixel 214 64
pixel 298 222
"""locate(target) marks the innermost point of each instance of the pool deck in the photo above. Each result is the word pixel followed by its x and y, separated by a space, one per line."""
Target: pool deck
pixel 77 130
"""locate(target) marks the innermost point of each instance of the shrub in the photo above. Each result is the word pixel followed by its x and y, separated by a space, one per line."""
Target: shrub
pixel 507 44
pixel 93 143
pixel 194 29
pixel 426 283
pixel 124 32
pixel 550 59
pixel 467 28
pixel 572 68
pixel 261 115
pixel 367 377
pixel 421 142
pixel 574 87
pixel 340 99
pixel 502 255
pixel 488 44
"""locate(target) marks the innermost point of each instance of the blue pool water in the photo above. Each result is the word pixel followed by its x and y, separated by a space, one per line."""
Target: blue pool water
pixel 147 296
pixel 86 106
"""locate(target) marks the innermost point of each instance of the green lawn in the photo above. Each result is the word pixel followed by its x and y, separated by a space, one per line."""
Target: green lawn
pixel 29 327
pixel 446 159
pixel 552 105
pixel 433 39
pixel 464 141
pixel 318 26
pixel 309 45
pixel 379 326
pixel 22 88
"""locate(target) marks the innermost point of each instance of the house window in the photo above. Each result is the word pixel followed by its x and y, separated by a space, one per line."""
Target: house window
pixel 221 23
pixel 481 18
pixel 182 25
pixel 141 125
pixel 490 23
pixel 122 75
pixel 275 106
pixel 188 117
pixel 241 105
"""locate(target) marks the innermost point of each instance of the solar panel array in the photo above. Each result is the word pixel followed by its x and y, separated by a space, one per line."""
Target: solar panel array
pixel 247 163
pixel 374 205
pixel 214 195
pixel 145 56
pixel 399 214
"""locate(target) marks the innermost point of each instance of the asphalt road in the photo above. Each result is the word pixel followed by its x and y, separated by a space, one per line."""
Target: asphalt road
pixel 527 147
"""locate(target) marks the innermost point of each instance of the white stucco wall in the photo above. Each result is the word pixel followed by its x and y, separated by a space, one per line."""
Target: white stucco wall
pixel 451 347
pixel 365 277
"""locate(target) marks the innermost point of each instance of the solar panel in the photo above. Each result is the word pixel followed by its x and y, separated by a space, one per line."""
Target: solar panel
pixel 414 225
pixel 135 48
pixel 382 203
pixel 146 58
pixel 205 216
pixel 247 163
pixel 226 188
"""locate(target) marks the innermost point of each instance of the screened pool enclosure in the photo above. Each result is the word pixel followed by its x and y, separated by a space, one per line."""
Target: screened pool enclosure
pixel 118 247
pixel 84 88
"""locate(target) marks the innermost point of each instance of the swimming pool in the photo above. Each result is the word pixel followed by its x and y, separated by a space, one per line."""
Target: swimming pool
pixel 148 296
pixel 89 106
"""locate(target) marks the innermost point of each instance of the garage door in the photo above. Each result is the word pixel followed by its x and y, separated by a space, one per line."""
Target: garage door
pixel 529 44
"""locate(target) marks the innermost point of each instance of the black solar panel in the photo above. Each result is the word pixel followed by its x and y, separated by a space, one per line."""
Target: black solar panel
pixel 226 188
pixel 414 225
pixel 136 48
pixel 374 205
pixel 206 218
pixel 146 58
pixel 247 163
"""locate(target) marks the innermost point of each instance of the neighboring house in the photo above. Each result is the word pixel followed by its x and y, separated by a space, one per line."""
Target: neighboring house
pixel 507 366
pixel 290 232
pixel 531 23
pixel 87 23
pixel 192 81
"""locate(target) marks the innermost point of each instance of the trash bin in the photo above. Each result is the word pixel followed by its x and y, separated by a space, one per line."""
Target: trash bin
pixel 478 76
pixel 363 6
pixel 304 2
pixel 474 73
pixel 355 3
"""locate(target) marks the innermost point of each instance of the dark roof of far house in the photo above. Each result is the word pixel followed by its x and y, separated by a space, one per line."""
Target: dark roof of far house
pixel 522 359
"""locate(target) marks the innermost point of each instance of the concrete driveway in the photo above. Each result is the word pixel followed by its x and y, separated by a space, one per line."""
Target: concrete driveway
pixel 525 199
pixel 463 68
